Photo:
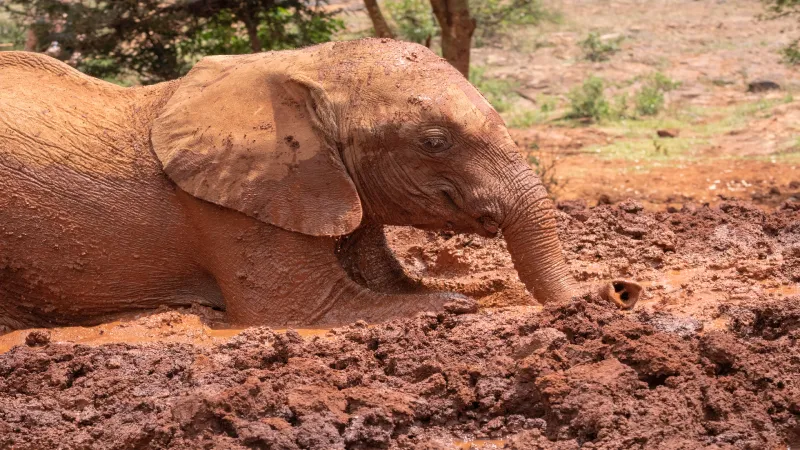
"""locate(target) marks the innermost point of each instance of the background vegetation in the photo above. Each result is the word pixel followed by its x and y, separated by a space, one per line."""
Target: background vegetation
pixel 152 40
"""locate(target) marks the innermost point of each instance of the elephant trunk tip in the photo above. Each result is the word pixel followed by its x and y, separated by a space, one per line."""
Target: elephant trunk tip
pixel 623 293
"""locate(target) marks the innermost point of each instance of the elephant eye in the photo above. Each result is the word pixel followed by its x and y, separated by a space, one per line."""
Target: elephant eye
pixel 436 141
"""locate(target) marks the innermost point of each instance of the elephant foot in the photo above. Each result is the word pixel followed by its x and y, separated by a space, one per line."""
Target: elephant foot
pixel 623 293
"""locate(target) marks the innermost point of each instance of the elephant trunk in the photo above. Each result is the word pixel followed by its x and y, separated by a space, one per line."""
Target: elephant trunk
pixel 530 232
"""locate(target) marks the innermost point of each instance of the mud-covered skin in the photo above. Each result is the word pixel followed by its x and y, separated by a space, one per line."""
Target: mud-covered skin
pixel 368 260
pixel 89 226
pixel 571 375
pixel 228 187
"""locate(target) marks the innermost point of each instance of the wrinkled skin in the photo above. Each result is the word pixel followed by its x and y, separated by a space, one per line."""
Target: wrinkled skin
pixel 257 184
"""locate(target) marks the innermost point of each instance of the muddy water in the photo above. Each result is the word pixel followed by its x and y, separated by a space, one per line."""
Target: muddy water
pixel 481 444
pixel 170 327
pixel 674 280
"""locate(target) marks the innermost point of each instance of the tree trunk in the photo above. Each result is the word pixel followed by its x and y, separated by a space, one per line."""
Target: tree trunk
pixel 251 23
pixel 457 29
pixel 31 41
pixel 379 24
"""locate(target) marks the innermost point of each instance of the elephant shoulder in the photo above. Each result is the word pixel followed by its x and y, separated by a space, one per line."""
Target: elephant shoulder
pixel 21 68
pixel 51 113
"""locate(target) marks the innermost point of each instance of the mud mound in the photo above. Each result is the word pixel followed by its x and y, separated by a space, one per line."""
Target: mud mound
pixel 566 377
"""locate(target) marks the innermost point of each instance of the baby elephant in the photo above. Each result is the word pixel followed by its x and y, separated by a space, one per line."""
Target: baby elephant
pixel 256 184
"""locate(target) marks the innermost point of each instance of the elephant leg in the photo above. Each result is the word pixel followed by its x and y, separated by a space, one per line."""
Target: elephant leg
pixel 287 279
pixel 271 276
pixel 369 261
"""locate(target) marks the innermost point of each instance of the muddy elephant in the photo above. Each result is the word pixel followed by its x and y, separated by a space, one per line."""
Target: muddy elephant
pixel 257 184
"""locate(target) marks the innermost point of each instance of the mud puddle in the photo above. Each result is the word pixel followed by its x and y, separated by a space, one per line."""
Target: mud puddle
pixel 161 328
pixel 482 444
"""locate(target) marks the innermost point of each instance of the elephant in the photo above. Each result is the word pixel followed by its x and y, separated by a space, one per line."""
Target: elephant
pixel 258 185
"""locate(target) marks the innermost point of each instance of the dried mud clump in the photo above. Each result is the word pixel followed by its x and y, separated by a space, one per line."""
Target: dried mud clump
pixel 576 375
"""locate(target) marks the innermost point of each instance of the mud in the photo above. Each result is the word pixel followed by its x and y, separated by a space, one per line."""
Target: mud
pixel 709 359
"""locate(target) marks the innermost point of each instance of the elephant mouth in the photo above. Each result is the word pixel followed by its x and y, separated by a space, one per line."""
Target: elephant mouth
pixel 484 225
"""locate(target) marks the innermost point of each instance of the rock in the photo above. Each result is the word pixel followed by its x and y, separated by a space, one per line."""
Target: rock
pixel 792 204
pixel 37 338
pixel 671 133
pixel 543 338
pixel 462 306
pixel 631 206
pixel 762 86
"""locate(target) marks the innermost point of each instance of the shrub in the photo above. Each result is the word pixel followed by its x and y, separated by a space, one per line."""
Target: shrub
pixel 596 49
pixel 588 100
pixel 548 104
pixel 664 82
pixel 158 40
pixel 279 28
pixel 620 108
pixel 12 36
pixel 499 93
pixel 650 98
pixel 791 53
pixel 413 19
pixel 495 17
pixel 782 8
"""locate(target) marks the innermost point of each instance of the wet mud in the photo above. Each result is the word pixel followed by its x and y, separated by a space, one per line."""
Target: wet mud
pixel 708 359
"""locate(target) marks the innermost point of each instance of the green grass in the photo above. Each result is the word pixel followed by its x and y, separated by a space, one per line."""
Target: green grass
pixel 525 117
pixel 633 132
pixel 498 92
pixel 596 49
pixel 698 126
pixel 649 149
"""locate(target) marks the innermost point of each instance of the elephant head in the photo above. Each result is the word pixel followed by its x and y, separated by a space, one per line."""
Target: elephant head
pixel 321 139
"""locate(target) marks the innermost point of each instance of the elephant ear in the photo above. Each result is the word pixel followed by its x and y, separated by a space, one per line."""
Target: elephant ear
pixel 243 134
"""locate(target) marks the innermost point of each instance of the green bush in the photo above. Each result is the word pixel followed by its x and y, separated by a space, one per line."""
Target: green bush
pixel 499 93
pixel 664 83
pixel 783 8
pixel 548 104
pixel 650 98
pixel 619 110
pixel 791 53
pixel 596 49
pixel 12 36
pixel 496 17
pixel 154 40
pixel 588 101
pixel 413 19
pixel 279 28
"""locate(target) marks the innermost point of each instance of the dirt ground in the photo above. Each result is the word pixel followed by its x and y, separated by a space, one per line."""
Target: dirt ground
pixel 727 142
pixel 708 221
